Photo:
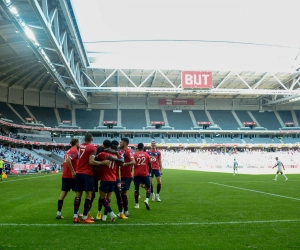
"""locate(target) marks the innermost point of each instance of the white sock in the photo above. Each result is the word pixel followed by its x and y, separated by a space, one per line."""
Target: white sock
pixel 284 176
pixel 276 176
pixel 75 215
pixel 147 199
pixel 112 213
pixel 84 217
pixel 126 212
pixel 58 213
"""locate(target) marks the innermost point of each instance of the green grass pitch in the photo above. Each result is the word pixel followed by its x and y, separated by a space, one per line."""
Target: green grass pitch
pixel 196 212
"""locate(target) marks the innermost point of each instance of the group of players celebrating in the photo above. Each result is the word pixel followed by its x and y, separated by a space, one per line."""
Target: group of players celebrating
pixel 85 165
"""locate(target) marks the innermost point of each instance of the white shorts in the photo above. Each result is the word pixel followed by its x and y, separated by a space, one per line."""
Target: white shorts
pixel 279 170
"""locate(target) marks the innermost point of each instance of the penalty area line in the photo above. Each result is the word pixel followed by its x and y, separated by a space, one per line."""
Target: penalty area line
pixel 149 224
pixel 255 191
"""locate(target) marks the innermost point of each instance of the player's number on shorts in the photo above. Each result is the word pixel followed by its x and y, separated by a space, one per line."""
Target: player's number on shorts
pixel 141 161
pixel 81 152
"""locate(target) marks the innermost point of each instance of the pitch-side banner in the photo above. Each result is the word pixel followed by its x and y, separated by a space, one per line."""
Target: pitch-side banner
pixel 176 102
pixel 196 79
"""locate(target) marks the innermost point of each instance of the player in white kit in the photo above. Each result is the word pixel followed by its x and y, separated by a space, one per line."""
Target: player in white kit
pixel 279 169
pixel 235 166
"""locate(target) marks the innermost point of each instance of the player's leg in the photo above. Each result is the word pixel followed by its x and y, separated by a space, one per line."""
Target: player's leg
pixel 284 175
pixel 148 191
pixel 276 176
pixel 88 188
pixel 60 203
pixel 78 193
pixel 136 191
pixel 106 189
pixel 117 191
pixel 151 185
pixel 126 187
pixel 158 187
pixel 1 176
pixel 77 202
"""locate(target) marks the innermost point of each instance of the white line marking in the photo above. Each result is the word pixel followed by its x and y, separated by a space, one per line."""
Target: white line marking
pixel 255 191
pixel 149 224
pixel 27 178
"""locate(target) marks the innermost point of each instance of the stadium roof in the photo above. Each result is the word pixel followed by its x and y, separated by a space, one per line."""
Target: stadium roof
pixel 96 47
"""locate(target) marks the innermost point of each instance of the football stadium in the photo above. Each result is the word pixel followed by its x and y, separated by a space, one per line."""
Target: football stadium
pixel 149 124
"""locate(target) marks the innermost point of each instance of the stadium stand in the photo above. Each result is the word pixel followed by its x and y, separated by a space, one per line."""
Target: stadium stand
pixel 180 120
pixel 224 119
pixel 243 116
pixel 38 139
pixel 172 140
pixel 21 110
pixel 110 115
pixel 297 112
pixel 290 140
pixel 133 119
pixel 261 140
pixel 61 139
pixel 267 120
pixel 44 115
pixel 87 119
pixel 200 116
pixel 286 116
pixel 156 115
pixel 65 114
pixel 8 113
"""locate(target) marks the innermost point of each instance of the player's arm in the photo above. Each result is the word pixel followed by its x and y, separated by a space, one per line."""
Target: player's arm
pixel 132 162
pixel 118 160
pixel 93 162
pixel 150 167
pixel 275 166
pixel 160 164
pixel 69 164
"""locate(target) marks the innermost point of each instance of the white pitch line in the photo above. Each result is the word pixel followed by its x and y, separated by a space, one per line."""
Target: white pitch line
pixel 255 191
pixel 149 224
pixel 2 182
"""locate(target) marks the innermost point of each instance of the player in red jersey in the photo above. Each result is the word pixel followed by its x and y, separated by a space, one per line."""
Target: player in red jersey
pixel 108 178
pixel 126 173
pixel 84 180
pixel 117 189
pixel 142 171
pixel 155 157
pixel 68 176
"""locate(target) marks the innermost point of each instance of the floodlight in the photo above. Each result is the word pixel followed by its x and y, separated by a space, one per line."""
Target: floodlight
pixel 13 10
pixel 29 33
pixel 70 94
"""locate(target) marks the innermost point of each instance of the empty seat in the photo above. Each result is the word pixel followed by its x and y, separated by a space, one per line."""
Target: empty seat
pixel 267 120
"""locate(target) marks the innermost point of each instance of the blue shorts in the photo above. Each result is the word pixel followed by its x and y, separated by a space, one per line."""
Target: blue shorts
pixel 107 186
pixel 67 184
pixel 125 182
pixel 155 172
pixel 142 180
pixel 84 182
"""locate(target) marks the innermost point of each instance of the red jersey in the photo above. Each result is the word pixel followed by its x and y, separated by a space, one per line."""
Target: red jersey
pixel 83 166
pixel 141 167
pixel 128 157
pixel 72 154
pixel 155 157
pixel 108 173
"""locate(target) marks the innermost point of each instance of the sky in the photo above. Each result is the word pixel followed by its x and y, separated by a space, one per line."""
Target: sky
pixel 194 35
